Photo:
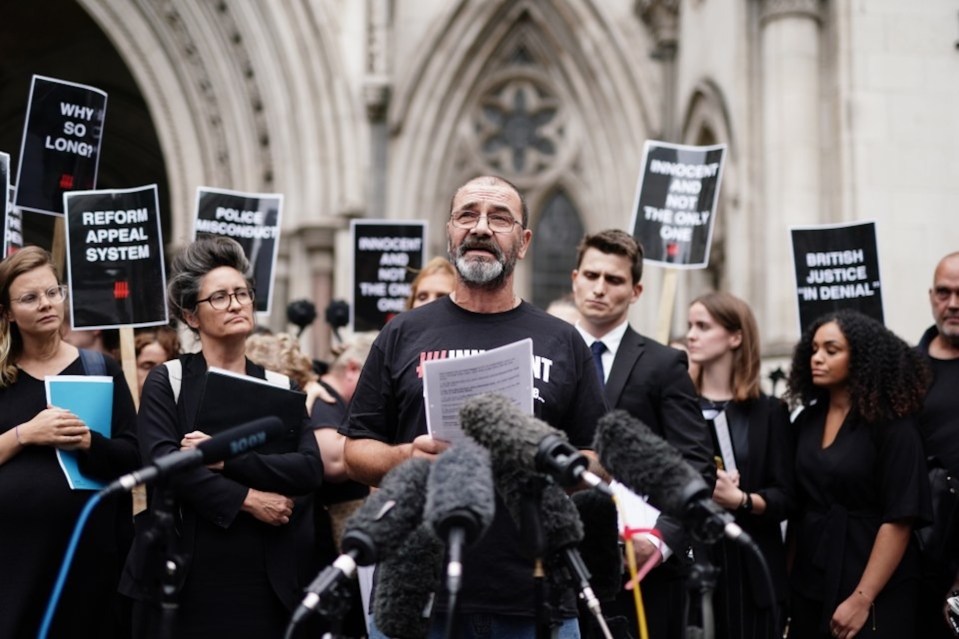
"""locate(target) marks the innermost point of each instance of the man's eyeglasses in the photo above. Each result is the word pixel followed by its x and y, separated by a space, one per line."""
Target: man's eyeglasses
pixel 497 222
pixel 54 294
pixel 221 299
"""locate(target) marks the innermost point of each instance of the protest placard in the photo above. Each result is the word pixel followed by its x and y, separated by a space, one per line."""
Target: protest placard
pixel 115 262
pixel 836 266
pixel 253 220
pixel 385 256
pixel 5 191
pixel 676 203
pixel 60 151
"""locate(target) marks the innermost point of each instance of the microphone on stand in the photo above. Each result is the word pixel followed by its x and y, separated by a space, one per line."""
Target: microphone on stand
pixel 220 447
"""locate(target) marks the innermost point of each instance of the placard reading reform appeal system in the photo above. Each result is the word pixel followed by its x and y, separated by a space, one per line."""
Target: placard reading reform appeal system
pixel 115 258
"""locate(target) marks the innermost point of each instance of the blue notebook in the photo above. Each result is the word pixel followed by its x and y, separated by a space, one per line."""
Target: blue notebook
pixel 89 397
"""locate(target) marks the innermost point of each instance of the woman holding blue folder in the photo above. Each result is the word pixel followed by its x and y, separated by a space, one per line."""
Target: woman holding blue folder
pixel 245 526
pixel 38 508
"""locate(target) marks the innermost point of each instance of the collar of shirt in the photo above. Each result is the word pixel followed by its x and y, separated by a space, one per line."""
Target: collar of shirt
pixel 612 340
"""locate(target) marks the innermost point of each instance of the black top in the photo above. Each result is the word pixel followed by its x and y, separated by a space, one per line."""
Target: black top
pixel 324 415
pixel 939 419
pixel 225 548
pixel 871 474
pixel 38 511
pixel 388 406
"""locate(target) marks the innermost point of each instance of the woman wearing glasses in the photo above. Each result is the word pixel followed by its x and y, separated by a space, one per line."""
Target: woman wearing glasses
pixel 243 533
pixel 38 509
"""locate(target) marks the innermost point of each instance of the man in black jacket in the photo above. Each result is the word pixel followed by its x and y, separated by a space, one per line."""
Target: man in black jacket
pixel 652 383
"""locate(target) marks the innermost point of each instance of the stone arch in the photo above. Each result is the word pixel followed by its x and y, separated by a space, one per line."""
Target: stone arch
pixel 596 68
pixel 234 94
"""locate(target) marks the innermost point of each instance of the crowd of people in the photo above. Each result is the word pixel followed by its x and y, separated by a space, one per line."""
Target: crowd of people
pixel 831 482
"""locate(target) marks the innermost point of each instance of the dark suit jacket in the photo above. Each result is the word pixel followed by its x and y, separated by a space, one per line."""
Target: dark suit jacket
pixel 651 382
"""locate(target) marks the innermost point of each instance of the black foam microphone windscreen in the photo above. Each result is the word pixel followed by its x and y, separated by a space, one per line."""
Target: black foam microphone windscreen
pixel 406 585
pixel 648 465
pixel 516 438
pixel 600 547
pixel 459 492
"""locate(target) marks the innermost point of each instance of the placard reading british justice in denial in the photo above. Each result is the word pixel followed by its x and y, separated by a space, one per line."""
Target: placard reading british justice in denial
pixel 115 258
pixel 676 203
pixel 253 220
pixel 836 266
pixel 60 150
pixel 385 256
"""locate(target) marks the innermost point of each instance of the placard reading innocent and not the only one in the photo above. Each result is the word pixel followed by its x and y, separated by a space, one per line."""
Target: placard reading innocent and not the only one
pixel 253 220
pixel 837 267
pixel 61 143
pixel 385 256
pixel 115 258
pixel 676 203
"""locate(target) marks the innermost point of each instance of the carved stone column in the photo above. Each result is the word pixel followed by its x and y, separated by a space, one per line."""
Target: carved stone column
pixel 662 18
pixel 791 152
pixel 376 92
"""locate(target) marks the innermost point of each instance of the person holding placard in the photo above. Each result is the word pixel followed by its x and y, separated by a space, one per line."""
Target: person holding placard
pixel 37 506
pixel 755 478
pixel 861 480
pixel 245 529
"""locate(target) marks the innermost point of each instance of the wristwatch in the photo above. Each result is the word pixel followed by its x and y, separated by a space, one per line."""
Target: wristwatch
pixel 747 504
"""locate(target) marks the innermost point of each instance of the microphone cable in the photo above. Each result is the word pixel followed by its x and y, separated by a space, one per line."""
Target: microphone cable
pixel 65 565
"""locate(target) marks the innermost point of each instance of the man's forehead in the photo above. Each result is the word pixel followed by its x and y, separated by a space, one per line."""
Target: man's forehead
pixel 947 269
pixel 479 194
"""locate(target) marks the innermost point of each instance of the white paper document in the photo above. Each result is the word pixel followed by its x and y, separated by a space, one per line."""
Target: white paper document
pixel 448 383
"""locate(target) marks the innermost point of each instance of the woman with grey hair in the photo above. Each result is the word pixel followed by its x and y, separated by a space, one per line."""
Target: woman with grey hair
pixel 246 524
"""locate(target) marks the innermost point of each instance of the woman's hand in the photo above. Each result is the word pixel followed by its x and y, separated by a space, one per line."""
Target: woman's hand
pixel 194 439
pixel 55 427
pixel 270 508
pixel 850 616
pixel 727 493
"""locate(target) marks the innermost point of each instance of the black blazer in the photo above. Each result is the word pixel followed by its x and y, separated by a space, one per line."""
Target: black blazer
pixel 651 382
pixel 217 497
pixel 769 471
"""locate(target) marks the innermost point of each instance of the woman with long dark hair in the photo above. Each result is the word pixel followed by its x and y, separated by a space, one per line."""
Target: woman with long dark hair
pixel 861 479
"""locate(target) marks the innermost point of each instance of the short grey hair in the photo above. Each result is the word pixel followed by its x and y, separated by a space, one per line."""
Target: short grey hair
pixel 193 263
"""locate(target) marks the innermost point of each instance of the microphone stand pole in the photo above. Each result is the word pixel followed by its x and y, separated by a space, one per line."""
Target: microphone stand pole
pixel 534 538
pixel 701 583
pixel 163 564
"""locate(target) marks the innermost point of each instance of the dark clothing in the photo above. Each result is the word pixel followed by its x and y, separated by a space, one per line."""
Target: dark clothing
pixel 38 511
pixel 760 432
pixel 869 475
pixel 939 427
pixel 333 416
pixel 388 406
pixel 239 575
pixel 652 383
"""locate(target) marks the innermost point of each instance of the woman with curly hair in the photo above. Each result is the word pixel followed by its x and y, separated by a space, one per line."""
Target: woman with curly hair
pixel 755 483
pixel 861 479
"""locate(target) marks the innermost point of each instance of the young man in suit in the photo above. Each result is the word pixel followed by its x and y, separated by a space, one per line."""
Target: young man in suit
pixel 651 382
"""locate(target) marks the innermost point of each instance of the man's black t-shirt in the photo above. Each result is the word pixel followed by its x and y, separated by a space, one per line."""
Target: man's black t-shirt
pixel 939 419
pixel 388 406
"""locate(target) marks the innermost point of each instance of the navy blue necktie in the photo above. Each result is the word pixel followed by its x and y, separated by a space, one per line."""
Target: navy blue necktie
pixel 598 349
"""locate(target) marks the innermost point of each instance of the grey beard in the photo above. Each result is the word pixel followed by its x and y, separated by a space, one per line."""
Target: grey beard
pixel 481 273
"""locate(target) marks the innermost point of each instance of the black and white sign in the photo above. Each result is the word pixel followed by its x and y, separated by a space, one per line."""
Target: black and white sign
pixel 61 143
pixel 385 254
pixel 115 258
pixel 12 226
pixel 837 266
pixel 676 203
pixel 6 191
pixel 253 220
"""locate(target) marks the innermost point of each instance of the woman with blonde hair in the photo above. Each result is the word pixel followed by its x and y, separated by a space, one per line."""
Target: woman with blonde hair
pixel 754 481
pixel 435 280
pixel 37 506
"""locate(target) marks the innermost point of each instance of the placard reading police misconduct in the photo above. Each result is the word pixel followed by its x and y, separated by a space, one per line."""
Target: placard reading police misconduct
pixel 836 266
pixel 115 258
pixel 676 203
pixel 385 257
pixel 253 220
pixel 61 143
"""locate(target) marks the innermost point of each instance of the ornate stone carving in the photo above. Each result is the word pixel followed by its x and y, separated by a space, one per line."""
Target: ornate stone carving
pixel 772 9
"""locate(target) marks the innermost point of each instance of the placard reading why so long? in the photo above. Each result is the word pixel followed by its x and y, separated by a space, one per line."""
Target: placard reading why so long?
pixel 60 151
pixel 837 266
pixel 253 220
pixel 115 258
